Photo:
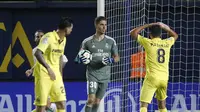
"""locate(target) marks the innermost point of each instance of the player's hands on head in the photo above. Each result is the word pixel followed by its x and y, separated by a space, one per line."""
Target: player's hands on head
pixel 151 24
pixel 107 60
pixel 28 72
pixel 51 74
pixel 164 26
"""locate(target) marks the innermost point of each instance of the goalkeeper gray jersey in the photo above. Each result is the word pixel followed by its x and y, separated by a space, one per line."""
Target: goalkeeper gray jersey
pixel 96 70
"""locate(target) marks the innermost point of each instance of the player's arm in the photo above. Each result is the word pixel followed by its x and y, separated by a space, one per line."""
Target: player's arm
pixel 115 53
pixel 40 58
pixel 169 31
pixel 41 48
pixel 134 32
pixel 77 58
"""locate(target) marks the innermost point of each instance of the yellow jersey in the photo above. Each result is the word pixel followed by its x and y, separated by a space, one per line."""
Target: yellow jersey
pixel 52 50
pixel 157 54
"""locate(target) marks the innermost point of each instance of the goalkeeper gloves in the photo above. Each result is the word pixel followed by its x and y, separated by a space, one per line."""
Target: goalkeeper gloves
pixel 84 60
pixel 107 60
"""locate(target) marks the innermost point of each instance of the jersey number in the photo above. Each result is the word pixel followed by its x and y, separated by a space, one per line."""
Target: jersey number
pixel 161 55
pixel 62 89
pixel 93 85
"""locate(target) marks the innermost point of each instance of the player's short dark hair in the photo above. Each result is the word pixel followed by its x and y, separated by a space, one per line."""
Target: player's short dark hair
pixel 155 30
pixel 65 22
pixel 98 19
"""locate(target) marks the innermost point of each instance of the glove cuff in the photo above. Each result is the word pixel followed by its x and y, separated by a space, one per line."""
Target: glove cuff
pixel 112 60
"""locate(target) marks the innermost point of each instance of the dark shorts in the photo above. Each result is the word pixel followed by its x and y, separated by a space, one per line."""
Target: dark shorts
pixel 97 88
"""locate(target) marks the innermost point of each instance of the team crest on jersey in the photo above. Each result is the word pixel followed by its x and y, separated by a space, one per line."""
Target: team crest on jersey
pixel 107 46
pixel 93 46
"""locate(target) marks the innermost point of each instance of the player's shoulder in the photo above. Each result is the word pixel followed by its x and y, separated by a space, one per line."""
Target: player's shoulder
pixel 49 34
pixel 88 39
pixel 110 39
pixel 169 39
pixel 141 37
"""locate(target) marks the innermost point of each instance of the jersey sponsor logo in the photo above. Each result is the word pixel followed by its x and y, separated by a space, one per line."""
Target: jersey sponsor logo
pixel 17 60
pixel 57 50
pixel 159 45
pixel 100 54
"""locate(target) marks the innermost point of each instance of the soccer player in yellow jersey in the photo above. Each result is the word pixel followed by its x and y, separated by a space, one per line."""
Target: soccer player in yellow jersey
pixel 48 77
pixel 157 53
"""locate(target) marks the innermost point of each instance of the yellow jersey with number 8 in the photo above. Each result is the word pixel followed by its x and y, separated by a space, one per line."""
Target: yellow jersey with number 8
pixel 157 54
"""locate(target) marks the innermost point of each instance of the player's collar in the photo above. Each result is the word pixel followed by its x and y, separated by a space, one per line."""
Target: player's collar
pixel 95 38
pixel 156 38
pixel 58 38
pixel 56 35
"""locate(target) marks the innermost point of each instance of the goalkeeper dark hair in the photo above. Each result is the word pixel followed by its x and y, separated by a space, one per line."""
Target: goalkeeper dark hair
pixel 98 19
pixel 155 30
pixel 65 22
pixel 40 31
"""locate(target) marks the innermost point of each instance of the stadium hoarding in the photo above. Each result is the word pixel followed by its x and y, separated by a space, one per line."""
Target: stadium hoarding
pixel 15 98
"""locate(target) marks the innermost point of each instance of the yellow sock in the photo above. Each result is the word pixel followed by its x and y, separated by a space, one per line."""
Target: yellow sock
pixel 143 109
pixel 163 110
pixel 60 110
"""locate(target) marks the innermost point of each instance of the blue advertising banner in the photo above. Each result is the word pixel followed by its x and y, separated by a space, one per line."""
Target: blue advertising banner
pixel 19 97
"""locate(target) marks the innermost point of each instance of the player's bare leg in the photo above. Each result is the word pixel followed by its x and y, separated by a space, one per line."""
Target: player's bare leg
pixel 61 106
pixel 96 105
pixel 90 102
pixel 40 109
pixel 162 105
pixel 143 106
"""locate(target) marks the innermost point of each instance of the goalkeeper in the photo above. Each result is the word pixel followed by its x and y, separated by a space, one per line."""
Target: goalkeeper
pixel 104 52
pixel 157 63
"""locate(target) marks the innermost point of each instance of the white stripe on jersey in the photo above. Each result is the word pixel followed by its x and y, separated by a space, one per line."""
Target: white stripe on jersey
pixel 87 39
pixel 111 39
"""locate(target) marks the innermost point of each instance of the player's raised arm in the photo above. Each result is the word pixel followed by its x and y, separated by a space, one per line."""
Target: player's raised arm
pixel 169 31
pixel 134 33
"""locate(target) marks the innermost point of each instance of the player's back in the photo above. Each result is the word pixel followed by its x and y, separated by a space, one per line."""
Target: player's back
pixel 157 56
